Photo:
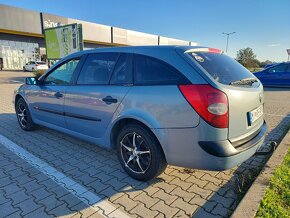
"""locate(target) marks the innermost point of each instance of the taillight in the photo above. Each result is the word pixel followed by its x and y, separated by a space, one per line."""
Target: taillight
pixel 36 64
pixel 210 103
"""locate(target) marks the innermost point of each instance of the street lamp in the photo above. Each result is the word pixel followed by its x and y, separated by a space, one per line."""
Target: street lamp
pixel 228 35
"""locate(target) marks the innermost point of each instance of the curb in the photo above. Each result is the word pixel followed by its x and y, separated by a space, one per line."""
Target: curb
pixel 249 205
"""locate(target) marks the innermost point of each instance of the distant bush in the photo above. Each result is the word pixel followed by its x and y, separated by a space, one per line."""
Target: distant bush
pixel 255 69
pixel 39 73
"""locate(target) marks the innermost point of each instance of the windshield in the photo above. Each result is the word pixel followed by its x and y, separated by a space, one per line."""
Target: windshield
pixel 221 67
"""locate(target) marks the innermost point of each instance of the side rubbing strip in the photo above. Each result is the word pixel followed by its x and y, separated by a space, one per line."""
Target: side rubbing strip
pixel 67 114
pixel 81 117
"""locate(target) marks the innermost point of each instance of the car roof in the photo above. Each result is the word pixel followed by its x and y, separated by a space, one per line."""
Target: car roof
pixel 134 49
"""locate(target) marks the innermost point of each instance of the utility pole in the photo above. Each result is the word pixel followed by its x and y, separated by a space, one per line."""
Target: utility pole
pixel 228 36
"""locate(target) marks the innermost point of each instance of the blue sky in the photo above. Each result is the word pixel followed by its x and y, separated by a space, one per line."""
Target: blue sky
pixel 263 25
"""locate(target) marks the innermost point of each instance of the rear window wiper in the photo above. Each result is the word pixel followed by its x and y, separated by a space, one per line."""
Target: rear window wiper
pixel 247 81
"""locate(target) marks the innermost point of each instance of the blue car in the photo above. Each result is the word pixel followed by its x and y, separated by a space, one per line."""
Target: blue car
pixel 277 75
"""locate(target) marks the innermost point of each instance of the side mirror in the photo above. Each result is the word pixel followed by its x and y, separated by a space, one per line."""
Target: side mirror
pixel 31 81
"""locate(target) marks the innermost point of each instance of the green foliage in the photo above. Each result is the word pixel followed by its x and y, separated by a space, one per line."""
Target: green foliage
pixel 255 69
pixel 247 58
pixel 264 63
pixel 276 202
pixel 39 73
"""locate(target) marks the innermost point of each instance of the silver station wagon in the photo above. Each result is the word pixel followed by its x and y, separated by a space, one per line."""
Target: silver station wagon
pixel 192 107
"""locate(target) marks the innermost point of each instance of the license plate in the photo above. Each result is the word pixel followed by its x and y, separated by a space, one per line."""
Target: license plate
pixel 255 115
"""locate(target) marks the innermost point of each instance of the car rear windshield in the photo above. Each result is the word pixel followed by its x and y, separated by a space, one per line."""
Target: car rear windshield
pixel 40 62
pixel 221 67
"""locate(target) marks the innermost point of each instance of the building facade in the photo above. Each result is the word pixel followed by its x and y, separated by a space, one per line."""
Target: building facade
pixel 22 35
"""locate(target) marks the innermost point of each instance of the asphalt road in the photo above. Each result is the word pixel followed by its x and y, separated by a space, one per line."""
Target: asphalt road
pixel 45 173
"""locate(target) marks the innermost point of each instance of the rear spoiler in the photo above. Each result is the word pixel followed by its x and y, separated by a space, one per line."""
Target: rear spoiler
pixel 210 50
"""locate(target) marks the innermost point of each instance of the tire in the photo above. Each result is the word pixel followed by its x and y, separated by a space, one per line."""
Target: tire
pixel 33 70
pixel 23 115
pixel 147 152
pixel 24 70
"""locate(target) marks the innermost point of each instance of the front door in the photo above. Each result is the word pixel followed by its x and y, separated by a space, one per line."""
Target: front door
pixel 47 100
pixel 91 103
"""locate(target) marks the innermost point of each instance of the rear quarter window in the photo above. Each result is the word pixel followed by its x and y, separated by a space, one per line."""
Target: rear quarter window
pixel 152 71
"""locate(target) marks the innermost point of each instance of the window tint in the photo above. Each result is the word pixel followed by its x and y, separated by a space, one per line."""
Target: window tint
pixel 62 75
pixel 221 67
pixel 97 69
pixel 277 69
pixel 151 71
pixel 123 70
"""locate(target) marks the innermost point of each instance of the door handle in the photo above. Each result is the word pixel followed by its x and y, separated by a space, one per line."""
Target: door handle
pixel 58 95
pixel 110 100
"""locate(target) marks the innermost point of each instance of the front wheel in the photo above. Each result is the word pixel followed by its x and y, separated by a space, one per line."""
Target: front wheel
pixel 139 153
pixel 23 115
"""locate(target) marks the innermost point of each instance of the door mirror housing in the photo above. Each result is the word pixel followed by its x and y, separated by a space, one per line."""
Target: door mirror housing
pixel 32 81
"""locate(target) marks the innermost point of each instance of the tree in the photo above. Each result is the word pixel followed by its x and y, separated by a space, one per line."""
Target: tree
pixel 264 63
pixel 247 58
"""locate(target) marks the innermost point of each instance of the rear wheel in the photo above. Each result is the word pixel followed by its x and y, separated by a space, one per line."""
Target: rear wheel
pixel 139 153
pixel 23 115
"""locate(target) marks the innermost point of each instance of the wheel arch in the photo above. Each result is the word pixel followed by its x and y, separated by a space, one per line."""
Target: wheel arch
pixel 117 126
pixel 17 97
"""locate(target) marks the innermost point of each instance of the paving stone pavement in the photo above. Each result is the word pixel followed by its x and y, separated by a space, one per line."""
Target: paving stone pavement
pixel 178 192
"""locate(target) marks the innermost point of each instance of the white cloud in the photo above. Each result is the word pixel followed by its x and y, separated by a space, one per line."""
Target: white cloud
pixel 274 45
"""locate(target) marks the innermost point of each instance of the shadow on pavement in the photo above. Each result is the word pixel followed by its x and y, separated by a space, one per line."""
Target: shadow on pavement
pixel 231 193
pixel 94 168
pixel 98 170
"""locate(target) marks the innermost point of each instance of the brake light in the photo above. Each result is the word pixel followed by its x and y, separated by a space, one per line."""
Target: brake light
pixel 36 64
pixel 210 103
pixel 215 50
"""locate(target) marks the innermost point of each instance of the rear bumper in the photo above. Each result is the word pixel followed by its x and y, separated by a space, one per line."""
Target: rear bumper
pixel 182 148
pixel 226 149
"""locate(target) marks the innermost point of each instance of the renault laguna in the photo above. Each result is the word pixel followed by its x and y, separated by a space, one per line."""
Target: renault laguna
pixel 186 106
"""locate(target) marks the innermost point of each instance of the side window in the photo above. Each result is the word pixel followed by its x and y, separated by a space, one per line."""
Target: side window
pixel 97 69
pixel 151 71
pixel 62 75
pixel 277 69
pixel 122 71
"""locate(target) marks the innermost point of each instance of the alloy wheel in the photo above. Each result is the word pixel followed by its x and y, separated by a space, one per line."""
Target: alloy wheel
pixel 135 153
pixel 22 115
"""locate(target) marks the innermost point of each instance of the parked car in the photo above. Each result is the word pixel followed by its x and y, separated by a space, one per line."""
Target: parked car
pixel 277 75
pixel 35 65
pixel 187 106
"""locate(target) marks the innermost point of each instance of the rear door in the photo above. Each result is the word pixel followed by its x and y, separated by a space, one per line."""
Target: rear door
pixel 243 90
pixel 103 82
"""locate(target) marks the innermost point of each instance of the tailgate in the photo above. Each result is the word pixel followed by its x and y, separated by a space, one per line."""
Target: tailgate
pixel 244 91
pixel 245 112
